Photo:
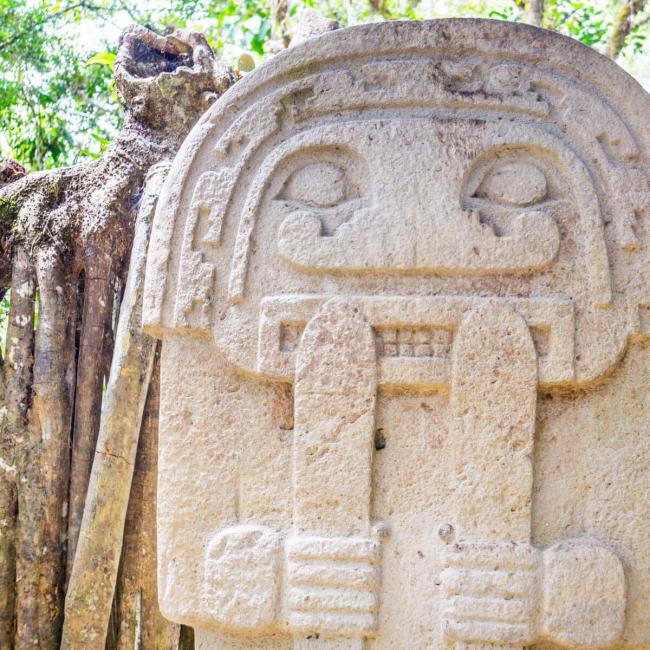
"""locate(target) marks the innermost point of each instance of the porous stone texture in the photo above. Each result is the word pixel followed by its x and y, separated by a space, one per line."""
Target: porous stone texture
pixel 401 277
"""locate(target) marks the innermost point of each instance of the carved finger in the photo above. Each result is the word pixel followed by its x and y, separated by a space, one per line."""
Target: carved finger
pixel 488 609
pixel 321 599
pixel 487 631
pixel 334 623
pixel 318 573
pixel 351 549
pixel 474 582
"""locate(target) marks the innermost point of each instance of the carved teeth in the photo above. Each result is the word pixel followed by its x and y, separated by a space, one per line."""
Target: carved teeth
pixel 413 342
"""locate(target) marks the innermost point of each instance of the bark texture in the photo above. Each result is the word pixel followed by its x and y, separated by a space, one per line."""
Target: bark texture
pixel 534 12
pixel 95 568
pixel 136 595
pixel 65 239
pixel 42 461
pixel 623 25
pixel 13 429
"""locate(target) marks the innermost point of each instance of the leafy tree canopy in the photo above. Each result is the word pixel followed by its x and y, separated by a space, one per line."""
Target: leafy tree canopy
pixel 57 104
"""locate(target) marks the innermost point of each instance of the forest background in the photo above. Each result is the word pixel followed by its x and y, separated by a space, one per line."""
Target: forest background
pixel 57 104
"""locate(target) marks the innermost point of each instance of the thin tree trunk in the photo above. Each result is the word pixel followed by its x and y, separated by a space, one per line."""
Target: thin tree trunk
pixel 8 509
pixel 622 27
pixel 44 463
pixel 17 392
pixel 186 640
pixel 94 573
pixel 534 12
pixel 96 319
pixel 137 583
pixel 382 8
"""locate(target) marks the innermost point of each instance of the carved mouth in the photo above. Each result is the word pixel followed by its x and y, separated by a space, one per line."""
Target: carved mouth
pixel 414 334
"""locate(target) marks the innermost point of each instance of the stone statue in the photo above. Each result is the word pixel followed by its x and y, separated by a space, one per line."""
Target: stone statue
pixel 401 277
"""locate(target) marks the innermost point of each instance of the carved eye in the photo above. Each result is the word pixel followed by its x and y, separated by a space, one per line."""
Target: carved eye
pixel 319 185
pixel 517 184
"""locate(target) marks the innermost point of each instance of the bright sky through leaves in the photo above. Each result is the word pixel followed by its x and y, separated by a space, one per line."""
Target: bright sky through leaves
pixel 57 104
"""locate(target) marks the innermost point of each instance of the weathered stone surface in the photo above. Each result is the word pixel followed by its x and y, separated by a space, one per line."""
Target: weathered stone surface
pixel 401 277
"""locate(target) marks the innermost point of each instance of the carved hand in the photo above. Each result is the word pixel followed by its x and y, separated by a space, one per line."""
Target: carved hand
pixel 242 577
pixel 333 585
pixel 514 594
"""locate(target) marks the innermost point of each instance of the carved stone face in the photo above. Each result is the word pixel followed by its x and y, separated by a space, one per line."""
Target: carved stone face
pixel 450 209
pixel 403 203
pixel 476 186
pixel 401 235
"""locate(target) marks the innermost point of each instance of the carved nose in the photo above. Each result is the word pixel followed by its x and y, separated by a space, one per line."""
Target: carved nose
pixel 376 239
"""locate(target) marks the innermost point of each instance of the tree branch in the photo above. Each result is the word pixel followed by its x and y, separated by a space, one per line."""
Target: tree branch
pixel 623 25
pixel 380 7
pixel 94 571
pixel 46 19
pixel 534 11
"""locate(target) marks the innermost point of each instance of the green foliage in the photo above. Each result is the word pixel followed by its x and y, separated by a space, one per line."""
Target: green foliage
pixel 512 13
pixel 103 58
pixel 636 41
pixel 57 101
pixel 583 20
pixel 50 102
pixel 245 24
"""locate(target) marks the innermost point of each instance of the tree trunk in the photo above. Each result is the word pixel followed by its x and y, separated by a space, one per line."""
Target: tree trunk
pixel 534 12
pixel 13 428
pixel 72 230
pixel 623 25
pixel 94 573
pixel 95 320
pixel 8 509
pixel 136 592
pixel 43 461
